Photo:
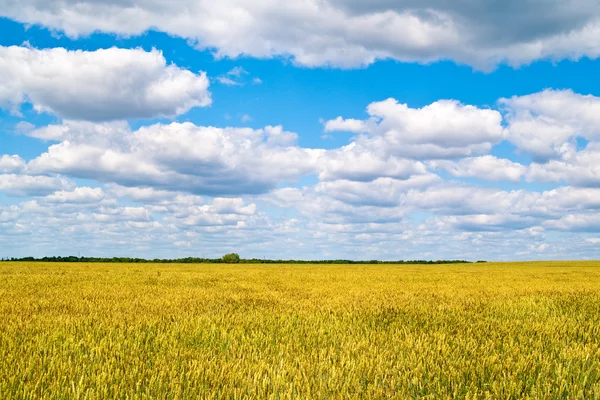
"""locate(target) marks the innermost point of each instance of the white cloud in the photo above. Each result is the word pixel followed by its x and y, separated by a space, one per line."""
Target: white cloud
pixel 237 71
pixel 576 223
pixel 382 192
pixel 222 212
pixel 579 169
pixel 545 124
pixel 99 85
pixel 235 77
pixel 82 131
pixel 178 157
pixel 487 168
pixel 80 195
pixel 226 80
pixel 346 125
pixel 11 164
pixel 181 189
pixel 354 162
pixel 143 194
pixel 460 206
pixel 459 199
pixel 285 197
pixel 26 185
pixel 489 226
pixel 490 222
pixel 344 33
pixel 443 129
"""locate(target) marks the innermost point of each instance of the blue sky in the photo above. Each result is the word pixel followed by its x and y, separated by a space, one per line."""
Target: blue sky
pixel 331 129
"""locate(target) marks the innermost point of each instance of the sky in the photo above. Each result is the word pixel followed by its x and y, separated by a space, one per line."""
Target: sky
pixel 314 129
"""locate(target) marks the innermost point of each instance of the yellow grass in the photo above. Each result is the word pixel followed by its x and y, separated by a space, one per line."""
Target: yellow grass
pixel 165 331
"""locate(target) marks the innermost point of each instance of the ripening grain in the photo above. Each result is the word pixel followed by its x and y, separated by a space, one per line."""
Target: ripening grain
pixel 97 331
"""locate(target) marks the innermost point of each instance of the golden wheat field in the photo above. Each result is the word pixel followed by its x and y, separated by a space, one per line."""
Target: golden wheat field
pixel 166 331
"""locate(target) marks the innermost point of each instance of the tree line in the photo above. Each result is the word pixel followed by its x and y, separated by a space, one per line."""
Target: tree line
pixel 230 258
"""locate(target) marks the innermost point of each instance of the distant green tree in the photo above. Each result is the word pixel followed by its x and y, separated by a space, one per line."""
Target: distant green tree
pixel 231 258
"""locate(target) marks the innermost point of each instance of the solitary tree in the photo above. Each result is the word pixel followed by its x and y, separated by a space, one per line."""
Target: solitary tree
pixel 231 258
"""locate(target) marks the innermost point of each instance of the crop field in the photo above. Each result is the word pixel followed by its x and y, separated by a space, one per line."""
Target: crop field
pixel 185 331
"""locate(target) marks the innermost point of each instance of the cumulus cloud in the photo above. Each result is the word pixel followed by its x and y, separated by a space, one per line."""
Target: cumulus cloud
pixel 26 185
pixel 443 129
pixel 379 192
pixel 354 162
pixel 327 223
pixel 485 168
pixel 459 199
pixel 399 217
pixel 490 222
pixel 177 157
pixel 222 212
pixel 460 206
pixel 80 195
pixel 141 194
pixel 99 222
pixel 105 84
pixel 11 164
pixel 180 187
pixel 546 124
pixel 346 125
pixel 576 223
pixel 345 33
pixel 579 169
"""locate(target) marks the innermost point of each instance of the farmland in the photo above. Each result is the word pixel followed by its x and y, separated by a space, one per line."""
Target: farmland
pixel 495 330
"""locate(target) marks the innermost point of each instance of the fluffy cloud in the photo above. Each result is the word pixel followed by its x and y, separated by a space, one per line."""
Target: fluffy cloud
pixel 177 157
pixel 443 129
pixel 98 85
pixel 222 212
pixel 490 222
pixel 576 223
pixel 546 124
pixel 457 199
pixel 467 219
pixel 460 206
pixel 11 164
pixel 579 169
pixel 94 222
pixel 381 192
pixel 344 33
pixel 182 189
pixel 25 185
pixel 356 163
pixel 485 167
pixel 473 222
pixel 346 125
pixel 146 195
pixel 80 195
